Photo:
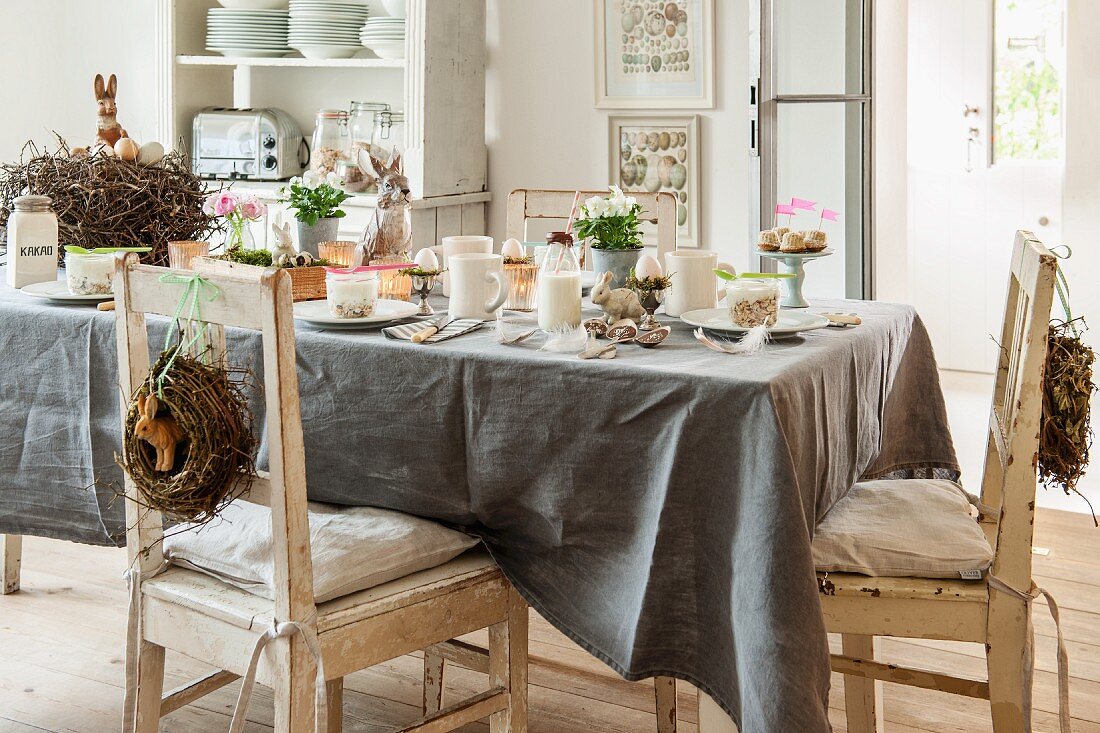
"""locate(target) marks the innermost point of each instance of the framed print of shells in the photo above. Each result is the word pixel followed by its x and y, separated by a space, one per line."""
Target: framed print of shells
pixel 654 54
pixel 659 154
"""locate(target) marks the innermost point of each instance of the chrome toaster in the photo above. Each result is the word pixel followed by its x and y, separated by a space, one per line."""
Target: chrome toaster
pixel 263 144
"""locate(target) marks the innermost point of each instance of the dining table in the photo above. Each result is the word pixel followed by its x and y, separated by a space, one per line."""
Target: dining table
pixel 658 507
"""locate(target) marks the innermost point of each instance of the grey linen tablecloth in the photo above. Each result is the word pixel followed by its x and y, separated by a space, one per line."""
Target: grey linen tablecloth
pixel 658 507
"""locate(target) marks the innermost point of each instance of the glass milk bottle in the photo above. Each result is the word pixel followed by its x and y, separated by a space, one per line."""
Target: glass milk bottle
pixel 559 288
pixel 32 242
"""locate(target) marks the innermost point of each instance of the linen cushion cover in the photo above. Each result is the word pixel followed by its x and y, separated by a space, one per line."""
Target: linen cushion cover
pixel 353 548
pixel 903 528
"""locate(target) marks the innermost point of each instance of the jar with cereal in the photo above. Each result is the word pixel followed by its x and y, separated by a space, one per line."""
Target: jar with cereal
pixel 330 141
pixel 753 302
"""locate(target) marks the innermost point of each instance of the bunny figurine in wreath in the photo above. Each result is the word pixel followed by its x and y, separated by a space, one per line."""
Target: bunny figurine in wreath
pixel 163 433
pixel 388 236
pixel 108 130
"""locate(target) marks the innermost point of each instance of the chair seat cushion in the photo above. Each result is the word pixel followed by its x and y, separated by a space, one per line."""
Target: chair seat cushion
pixel 903 528
pixel 354 548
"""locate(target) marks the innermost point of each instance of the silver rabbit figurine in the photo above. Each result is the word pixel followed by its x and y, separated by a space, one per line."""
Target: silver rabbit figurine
pixel 388 236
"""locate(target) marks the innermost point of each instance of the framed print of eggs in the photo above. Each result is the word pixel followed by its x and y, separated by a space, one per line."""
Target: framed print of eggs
pixel 654 54
pixel 654 154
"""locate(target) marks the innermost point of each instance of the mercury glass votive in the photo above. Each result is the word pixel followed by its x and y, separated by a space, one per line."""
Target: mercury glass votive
pixel 180 253
pixel 522 282
pixel 337 253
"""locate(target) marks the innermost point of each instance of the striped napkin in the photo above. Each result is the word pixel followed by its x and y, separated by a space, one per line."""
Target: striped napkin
pixel 456 328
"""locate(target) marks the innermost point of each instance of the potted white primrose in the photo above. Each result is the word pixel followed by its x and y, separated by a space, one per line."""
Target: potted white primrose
pixel 316 202
pixel 612 224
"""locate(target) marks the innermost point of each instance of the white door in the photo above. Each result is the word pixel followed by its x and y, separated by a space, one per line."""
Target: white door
pixel 984 159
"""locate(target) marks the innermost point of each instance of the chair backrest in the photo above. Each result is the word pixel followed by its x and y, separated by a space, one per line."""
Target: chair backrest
pixel 1008 484
pixel 524 204
pixel 247 298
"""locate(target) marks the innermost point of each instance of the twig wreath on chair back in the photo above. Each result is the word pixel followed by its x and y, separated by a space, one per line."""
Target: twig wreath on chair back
pixel 188 441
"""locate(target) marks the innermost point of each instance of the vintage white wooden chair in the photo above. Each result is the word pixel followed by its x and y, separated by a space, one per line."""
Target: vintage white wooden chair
pixel 523 205
pixel 996 610
pixel 213 622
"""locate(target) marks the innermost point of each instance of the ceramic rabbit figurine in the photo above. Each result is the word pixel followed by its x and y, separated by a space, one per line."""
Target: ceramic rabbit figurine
pixel 618 303
pixel 388 236
pixel 284 246
pixel 108 131
pixel 163 433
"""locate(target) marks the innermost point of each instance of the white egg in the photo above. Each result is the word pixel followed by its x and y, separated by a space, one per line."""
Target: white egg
pixel 426 260
pixel 512 248
pixel 648 267
pixel 150 153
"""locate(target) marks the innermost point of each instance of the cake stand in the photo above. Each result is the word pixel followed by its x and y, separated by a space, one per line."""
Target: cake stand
pixel 793 262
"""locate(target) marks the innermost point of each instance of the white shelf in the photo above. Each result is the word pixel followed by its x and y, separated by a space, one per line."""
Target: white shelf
pixel 292 61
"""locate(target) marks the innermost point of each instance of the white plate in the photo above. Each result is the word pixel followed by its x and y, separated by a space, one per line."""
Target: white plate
pixel 797 255
pixel 253 4
pixel 59 291
pixel 790 322
pixel 250 53
pixel 328 52
pixel 315 312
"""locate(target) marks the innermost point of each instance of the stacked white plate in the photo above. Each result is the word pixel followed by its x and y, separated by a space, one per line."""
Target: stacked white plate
pixel 251 33
pixel 326 29
pixel 384 36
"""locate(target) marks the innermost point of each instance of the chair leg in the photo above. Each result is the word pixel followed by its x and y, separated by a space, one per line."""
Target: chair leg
pixel 508 667
pixel 11 554
pixel 150 686
pixel 1009 664
pixel 862 695
pixel 433 683
pixel 294 687
pixel 334 694
pixel 664 690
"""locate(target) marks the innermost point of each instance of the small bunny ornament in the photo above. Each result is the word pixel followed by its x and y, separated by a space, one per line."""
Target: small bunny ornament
pixel 108 130
pixel 163 433
pixel 618 303
pixel 388 236
pixel 284 245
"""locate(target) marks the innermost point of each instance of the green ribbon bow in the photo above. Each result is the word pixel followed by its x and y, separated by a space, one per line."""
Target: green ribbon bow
pixel 193 293
pixel 76 250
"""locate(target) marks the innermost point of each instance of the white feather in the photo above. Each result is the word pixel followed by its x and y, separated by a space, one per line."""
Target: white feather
pixel 565 340
pixel 751 343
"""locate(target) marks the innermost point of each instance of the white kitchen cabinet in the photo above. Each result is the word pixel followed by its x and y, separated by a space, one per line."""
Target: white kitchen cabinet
pixel 440 86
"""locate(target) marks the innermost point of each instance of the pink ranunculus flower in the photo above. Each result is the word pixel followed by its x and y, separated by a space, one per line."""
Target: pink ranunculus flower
pixel 253 209
pixel 224 203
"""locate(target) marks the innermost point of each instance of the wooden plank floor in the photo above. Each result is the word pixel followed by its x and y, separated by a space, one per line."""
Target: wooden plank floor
pixel 62 646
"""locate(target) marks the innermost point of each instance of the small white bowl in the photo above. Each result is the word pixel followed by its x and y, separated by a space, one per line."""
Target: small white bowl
pixel 396 8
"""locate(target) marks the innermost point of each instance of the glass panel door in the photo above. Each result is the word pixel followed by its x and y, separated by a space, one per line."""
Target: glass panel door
pixel 815 131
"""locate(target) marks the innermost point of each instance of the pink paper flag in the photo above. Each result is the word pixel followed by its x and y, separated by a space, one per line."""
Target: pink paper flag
pixel 784 209
pixel 803 204
pixel 829 214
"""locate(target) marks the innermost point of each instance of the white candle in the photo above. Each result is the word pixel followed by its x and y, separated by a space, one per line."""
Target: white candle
pixel 350 296
pixel 559 300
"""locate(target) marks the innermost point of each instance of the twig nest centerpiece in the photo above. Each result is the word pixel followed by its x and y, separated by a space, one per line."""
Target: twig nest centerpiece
pixel 210 461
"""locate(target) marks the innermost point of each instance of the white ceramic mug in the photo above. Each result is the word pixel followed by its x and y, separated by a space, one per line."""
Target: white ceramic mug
pixel 472 277
pixel 694 284
pixel 455 246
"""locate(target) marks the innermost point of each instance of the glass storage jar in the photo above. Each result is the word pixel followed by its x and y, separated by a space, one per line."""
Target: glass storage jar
pixel 389 133
pixel 753 302
pixel 351 293
pixel 89 274
pixel 361 128
pixel 330 141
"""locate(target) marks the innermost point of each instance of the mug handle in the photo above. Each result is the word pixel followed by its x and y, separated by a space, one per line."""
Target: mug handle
pixel 497 300
pixel 730 269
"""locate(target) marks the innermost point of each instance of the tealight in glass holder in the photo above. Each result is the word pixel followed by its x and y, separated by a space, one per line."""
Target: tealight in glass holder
pixel 337 253
pixel 523 277
pixel 394 285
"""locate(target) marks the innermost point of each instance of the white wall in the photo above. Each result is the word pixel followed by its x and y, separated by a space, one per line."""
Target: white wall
pixel 545 132
pixel 54 48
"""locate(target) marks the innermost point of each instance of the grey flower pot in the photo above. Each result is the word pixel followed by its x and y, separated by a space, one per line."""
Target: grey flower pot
pixel 325 230
pixel 619 261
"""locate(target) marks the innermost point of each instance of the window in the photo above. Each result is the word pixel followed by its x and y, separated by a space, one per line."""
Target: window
pixel 1028 71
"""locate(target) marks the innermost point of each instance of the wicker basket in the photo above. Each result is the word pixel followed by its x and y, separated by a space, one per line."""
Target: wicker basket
pixel 308 283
